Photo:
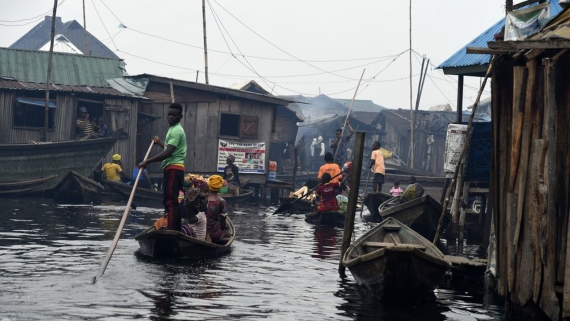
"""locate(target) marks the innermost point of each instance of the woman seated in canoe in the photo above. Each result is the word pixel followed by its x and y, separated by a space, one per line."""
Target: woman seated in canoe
pixel 193 211
pixel 215 208
pixel 327 194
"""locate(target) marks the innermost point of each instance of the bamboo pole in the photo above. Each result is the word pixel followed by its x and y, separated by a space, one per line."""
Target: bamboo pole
pixel 463 150
pixel 411 150
pixel 171 92
pixel 86 47
pixel 48 81
pixel 122 223
pixel 205 42
pixel 347 115
pixel 352 198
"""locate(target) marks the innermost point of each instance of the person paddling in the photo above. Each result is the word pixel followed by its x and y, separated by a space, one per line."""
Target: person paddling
pixel 172 157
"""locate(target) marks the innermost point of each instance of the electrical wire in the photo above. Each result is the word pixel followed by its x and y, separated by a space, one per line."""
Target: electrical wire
pixel 10 23
pixel 104 26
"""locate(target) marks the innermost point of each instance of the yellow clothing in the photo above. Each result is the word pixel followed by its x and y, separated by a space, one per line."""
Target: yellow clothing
pixel 378 159
pixel 112 171
pixel 332 169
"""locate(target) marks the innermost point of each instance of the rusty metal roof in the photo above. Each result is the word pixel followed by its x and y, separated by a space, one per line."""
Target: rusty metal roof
pixel 13 84
pixel 67 69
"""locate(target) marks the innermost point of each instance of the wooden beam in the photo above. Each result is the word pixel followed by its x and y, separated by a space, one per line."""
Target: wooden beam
pixel 487 51
pixel 529 44
pixel 524 3
pixel 532 54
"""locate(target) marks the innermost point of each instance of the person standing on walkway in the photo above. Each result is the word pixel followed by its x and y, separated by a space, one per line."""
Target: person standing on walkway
pixel 340 144
pixel 377 166
pixel 172 158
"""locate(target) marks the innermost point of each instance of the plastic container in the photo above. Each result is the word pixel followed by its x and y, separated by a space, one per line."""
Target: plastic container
pixel 223 190
pixel 272 176
pixel 272 166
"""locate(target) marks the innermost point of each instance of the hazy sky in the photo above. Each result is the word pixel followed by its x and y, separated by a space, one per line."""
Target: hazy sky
pixel 289 47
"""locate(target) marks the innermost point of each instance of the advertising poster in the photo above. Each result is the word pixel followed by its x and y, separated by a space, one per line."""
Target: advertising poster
pixel 521 23
pixel 250 157
pixel 453 144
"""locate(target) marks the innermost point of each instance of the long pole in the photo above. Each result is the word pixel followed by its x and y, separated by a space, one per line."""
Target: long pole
pixel 48 81
pixel 123 220
pixel 347 115
pixel 86 52
pixel 411 159
pixel 205 42
pixel 462 154
pixel 352 198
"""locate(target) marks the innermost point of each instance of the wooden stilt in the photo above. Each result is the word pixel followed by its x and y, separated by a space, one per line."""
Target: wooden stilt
pixel 352 197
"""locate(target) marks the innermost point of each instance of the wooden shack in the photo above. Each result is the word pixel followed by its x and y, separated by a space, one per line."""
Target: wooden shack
pixel 429 137
pixel 77 80
pixel 211 113
pixel 530 179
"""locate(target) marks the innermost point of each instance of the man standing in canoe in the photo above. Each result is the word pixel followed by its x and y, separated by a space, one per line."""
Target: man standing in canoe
pixel 172 158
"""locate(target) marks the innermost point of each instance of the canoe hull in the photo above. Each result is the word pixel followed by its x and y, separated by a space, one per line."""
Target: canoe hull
pixel 300 206
pixel 335 219
pixel 77 189
pixel 399 274
pixel 421 214
pixel 391 261
pixel 373 201
pixel 23 162
pixel 174 244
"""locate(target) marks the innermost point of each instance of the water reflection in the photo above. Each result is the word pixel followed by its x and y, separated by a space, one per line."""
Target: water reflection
pixel 279 268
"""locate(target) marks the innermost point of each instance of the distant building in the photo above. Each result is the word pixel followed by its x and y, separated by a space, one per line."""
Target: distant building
pixel 69 38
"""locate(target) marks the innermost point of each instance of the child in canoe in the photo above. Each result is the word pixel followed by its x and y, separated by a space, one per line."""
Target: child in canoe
pixel 327 194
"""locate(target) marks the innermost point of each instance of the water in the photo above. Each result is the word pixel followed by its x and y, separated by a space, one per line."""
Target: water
pixel 280 268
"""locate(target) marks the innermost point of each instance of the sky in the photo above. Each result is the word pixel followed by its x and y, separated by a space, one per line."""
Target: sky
pixel 306 47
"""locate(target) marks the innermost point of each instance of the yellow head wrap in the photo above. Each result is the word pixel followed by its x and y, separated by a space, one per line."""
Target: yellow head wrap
pixel 215 182
pixel 116 157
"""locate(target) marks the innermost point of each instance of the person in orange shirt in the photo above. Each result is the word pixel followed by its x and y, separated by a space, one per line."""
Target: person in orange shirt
pixel 331 168
pixel 377 166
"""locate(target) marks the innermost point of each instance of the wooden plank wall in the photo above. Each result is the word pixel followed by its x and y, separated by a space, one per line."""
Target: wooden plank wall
pixel 201 122
pixel 531 182
pixel 127 120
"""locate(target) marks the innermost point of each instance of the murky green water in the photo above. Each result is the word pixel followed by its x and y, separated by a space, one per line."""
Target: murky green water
pixel 280 268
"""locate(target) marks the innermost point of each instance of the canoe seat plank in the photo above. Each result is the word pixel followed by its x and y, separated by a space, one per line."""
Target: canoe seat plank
pixel 386 244
pixel 388 227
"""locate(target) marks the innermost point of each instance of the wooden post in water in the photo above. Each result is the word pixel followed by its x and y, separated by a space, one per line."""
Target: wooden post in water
pixel 48 81
pixel 295 170
pixel 352 198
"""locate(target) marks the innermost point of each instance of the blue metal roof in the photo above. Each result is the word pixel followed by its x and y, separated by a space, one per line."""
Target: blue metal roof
pixel 463 59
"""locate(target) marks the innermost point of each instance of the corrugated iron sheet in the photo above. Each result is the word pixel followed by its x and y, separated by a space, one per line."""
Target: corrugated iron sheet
pixel 19 85
pixel 67 69
pixel 463 59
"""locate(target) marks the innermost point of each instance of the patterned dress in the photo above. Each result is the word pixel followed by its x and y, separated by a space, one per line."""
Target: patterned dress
pixel 213 213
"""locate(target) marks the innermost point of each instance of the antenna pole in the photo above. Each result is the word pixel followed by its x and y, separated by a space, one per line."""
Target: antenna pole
pixel 205 42
pixel 86 52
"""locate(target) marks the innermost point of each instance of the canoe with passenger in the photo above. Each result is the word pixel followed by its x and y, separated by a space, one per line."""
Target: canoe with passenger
pixel 205 229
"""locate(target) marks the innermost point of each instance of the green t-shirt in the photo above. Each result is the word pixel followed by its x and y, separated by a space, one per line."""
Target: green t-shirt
pixel 177 138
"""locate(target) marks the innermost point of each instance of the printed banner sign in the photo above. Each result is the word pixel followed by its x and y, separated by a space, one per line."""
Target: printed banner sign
pixel 521 23
pixel 453 144
pixel 250 157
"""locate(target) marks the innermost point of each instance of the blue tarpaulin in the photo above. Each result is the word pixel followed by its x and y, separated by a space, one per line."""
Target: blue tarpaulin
pixel 40 103
pixel 479 162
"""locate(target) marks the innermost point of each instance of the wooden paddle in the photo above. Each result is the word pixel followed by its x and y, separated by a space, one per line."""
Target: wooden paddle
pixel 365 192
pixel 285 207
pixel 123 219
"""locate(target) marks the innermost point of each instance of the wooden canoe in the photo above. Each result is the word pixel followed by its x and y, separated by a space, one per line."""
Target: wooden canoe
pixel 301 206
pixel 52 159
pixel 331 218
pixel 75 188
pixel 391 261
pixel 373 201
pixel 174 244
pixel 421 214
pixel 24 186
